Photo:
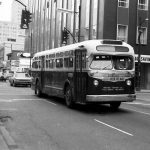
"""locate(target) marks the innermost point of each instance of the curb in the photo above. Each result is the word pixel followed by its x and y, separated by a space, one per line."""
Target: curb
pixel 7 138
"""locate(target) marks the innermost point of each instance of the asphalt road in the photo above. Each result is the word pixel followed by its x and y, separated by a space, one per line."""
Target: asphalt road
pixel 47 124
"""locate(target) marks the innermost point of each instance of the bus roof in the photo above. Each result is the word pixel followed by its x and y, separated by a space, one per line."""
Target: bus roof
pixel 90 45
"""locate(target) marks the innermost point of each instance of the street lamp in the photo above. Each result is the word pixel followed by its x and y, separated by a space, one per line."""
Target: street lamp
pixel 139 52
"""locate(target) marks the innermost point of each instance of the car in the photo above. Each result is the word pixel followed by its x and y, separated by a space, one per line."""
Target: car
pixel 20 78
pixel 3 76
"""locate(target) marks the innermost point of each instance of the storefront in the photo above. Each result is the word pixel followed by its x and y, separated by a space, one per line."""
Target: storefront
pixel 145 71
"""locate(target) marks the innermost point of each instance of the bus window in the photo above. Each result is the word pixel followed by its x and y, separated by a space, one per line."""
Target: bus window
pixel 59 63
pixel 101 62
pixel 46 63
pixel 68 62
pixel 39 64
pixel 123 63
pixel 51 63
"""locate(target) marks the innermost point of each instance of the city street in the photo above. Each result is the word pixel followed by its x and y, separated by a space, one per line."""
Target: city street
pixel 47 124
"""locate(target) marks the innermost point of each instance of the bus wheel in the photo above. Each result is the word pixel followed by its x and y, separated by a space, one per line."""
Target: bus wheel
pixel 68 97
pixel 115 105
pixel 37 89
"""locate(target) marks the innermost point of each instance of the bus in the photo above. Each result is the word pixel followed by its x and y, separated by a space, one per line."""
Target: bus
pixel 93 71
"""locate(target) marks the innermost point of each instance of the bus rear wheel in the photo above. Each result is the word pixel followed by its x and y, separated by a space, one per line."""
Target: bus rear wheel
pixel 115 105
pixel 37 89
pixel 68 97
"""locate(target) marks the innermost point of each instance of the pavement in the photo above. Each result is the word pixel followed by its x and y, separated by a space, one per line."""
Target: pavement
pixel 8 143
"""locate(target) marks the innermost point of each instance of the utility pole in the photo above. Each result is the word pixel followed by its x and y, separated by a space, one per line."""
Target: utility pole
pixel 79 30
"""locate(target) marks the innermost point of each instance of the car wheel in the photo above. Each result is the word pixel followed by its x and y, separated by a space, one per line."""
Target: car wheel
pixel 68 97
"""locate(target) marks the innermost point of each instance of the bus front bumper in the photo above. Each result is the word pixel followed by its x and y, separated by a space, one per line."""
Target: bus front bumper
pixel 111 98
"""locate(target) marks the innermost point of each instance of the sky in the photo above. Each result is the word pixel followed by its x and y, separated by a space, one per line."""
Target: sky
pixel 5 10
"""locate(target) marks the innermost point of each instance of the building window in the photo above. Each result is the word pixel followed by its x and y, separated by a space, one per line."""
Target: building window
pixel 123 3
pixel 143 4
pixel 143 37
pixel 122 32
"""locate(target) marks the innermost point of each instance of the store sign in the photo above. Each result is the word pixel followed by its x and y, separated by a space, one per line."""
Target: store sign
pixel 144 58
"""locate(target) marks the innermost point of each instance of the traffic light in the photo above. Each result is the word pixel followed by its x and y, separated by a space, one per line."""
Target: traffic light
pixel 29 16
pixel 24 23
pixel 26 18
pixel 65 36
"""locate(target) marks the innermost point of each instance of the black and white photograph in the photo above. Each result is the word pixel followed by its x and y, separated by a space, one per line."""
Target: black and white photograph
pixel 74 74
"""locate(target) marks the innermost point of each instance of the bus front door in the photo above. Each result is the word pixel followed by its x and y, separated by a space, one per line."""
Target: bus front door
pixel 80 76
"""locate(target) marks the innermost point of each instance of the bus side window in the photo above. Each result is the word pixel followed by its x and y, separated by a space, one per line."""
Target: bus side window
pixel 51 63
pixel 71 62
pixel 46 63
pixel 39 66
pixel 33 65
pixel 84 61
pixel 66 62
pixel 59 63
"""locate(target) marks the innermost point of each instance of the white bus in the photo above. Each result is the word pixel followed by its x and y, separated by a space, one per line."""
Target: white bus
pixel 94 71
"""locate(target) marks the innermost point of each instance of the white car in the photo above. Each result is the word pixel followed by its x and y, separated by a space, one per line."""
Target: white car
pixel 20 78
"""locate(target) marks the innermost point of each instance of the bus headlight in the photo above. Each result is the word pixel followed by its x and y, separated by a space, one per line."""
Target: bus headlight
pixel 95 82
pixel 128 82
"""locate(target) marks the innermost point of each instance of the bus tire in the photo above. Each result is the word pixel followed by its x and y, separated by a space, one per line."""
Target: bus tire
pixel 68 97
pixel 38 91
pixel 115 105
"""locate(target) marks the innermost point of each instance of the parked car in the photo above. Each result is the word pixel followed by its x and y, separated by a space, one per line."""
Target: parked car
pixel 20 78
pixel 3 76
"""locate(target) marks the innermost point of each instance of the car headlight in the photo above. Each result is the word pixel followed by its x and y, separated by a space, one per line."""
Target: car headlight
pixel 95 82
pixel 128 82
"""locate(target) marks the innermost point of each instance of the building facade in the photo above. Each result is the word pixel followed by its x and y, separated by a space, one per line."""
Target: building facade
pixel 126 20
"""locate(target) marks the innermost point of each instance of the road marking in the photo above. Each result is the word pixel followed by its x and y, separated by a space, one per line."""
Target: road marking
pixel 12 100
pixel 8 109
pixel 142 99
pixel 50 102
pixel 18 99
pixel 134 103
pixel 113 127
pixel 142 112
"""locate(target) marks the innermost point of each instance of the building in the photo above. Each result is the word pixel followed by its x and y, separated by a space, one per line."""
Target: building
pixel 12 37
pixel 126 20
pixel 8 52
pixel 10 31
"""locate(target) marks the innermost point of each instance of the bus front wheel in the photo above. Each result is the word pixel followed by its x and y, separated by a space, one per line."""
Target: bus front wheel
pixel 115 105
pixel 37 89
pixel 68 97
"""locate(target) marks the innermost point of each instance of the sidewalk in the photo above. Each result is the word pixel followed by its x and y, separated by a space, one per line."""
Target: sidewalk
pixel 6 141
pixel 143 95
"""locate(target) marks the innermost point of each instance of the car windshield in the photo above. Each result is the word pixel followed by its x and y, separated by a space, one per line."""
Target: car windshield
pixel 108 62
pixel 22 75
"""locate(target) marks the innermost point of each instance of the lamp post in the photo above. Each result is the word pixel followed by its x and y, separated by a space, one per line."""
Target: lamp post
pixel 139 52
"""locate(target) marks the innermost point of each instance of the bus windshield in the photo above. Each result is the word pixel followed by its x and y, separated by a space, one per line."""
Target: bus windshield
pixel 105 62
